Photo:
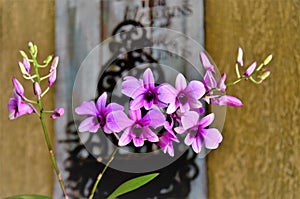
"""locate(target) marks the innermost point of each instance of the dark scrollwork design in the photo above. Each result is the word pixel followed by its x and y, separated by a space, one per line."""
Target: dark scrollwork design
pixel 174 180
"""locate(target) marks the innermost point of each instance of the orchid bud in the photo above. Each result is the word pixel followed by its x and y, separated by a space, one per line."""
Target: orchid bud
pixel 37 89
pixel 23 54
pixel 18 87
pixel 221 84
pixel 23 69
pixel 240 57
pixel 227 100
pixel 26 65
pixel 58 112
pixel 268 60
pixel 52 78
pixel 31 48
pixel 250 69
pixel 54 64
pixel 48 59
pixel 206 63
pixel 265 75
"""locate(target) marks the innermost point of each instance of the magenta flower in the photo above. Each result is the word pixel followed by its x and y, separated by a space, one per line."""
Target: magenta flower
pixel 97 114
pixel 186 96
pixel 137 128
pixel 18 87
pixel 166 140
pixel 143 92
pixel 58 112
pixel 197 133
pixel 17 107
pixel 227 100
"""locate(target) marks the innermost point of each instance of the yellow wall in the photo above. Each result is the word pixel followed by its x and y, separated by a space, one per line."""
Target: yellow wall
pixel 24 163
pixel 260 154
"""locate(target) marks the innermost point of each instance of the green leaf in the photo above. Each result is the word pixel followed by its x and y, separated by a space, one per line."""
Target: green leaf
pixel 28 197
pixel 132 184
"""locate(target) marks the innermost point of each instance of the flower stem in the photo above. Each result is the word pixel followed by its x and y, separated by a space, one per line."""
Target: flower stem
pixel 112 156
pixel 52 154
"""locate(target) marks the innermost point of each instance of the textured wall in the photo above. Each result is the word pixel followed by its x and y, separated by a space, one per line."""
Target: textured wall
pixel 24 163
pixel 259 157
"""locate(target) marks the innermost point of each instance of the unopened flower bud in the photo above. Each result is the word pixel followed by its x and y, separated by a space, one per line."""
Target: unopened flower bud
pixel 23 69
pixel 250 69
pixel 265 75
pixel 58 112
pixel 18 87
pixel 54 64
pixel 268 60
pixel 52 78
pixel 23 54
pixel 221 84
pixel 26 65
pixel 37 89
pixel 206 63
pixel 227 100
pixel 240 57
pixel 48 59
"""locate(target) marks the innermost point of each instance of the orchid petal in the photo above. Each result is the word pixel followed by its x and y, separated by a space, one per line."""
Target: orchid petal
pixel 148 105
pixel 87 108
pixel 18 87
pixel 132 87
pixel 179 130
pixel 189 139
pixel 250 69
pixel 206 63
pixel 221 83
pixel 112 107
pixel 137 103
pixel 118 120
pixel 195 89
pixel 172 107
pixel 148 79
pixel 197 144
pixel 212 138
pixel 101 102
pixel 207 120
pixel 138 141
pixel 184 107
pixel 89 124
pixel 227 100
pixel 167 93
pixel 209 81
pixel 155 117
pixel 189 119
pixel 125 138
pixel 180 83
pixel 135 115
pixel 149 135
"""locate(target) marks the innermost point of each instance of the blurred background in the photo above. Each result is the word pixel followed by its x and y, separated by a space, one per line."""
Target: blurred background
pixel 260 154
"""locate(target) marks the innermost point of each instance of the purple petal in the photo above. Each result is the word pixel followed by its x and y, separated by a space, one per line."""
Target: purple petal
pixel 250 69
pixel 194 104
pixel 206 63
pixel 101 102
pixel 221 83
pixel 184 107
pixel 138 141
pixel 212 138
pixel 90 124
pixel 125 138
pixel 172 107
pixel 167 93
pixel 135 115
pixel 179 130
pixel 58 112
pixel 195 89
pixel 52 77
pixel 207 120
pixel 132 87
pixel 18 87
pixel 87 108
pixel 112 107
pixel 180 83
pixel 189 139
pixel 155 117
pixel 227 100
pixel 189 119
pixel 149 135
pixel 209 81
pixel 26 65
pixel 137 103
pixel 37 89
pixel 170 150
pixel 148 79
pixel 197 144
pixel 148 105
pixel 117 121
pixel 106 129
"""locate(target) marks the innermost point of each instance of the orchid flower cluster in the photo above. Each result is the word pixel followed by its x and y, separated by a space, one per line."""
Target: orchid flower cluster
pixel 19 105
pixel 177 109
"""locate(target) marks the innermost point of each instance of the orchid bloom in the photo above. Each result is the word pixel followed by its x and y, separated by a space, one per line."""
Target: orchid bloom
pixel 17 107
pixel 58 112
pixel 97 114
pixel 186 96
pixel 137 128
pixel 143 92
pixel 166 140
pixel 197 133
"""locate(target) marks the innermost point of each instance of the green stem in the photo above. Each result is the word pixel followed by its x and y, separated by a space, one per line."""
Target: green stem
pixel 46 135
pixel 112 156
